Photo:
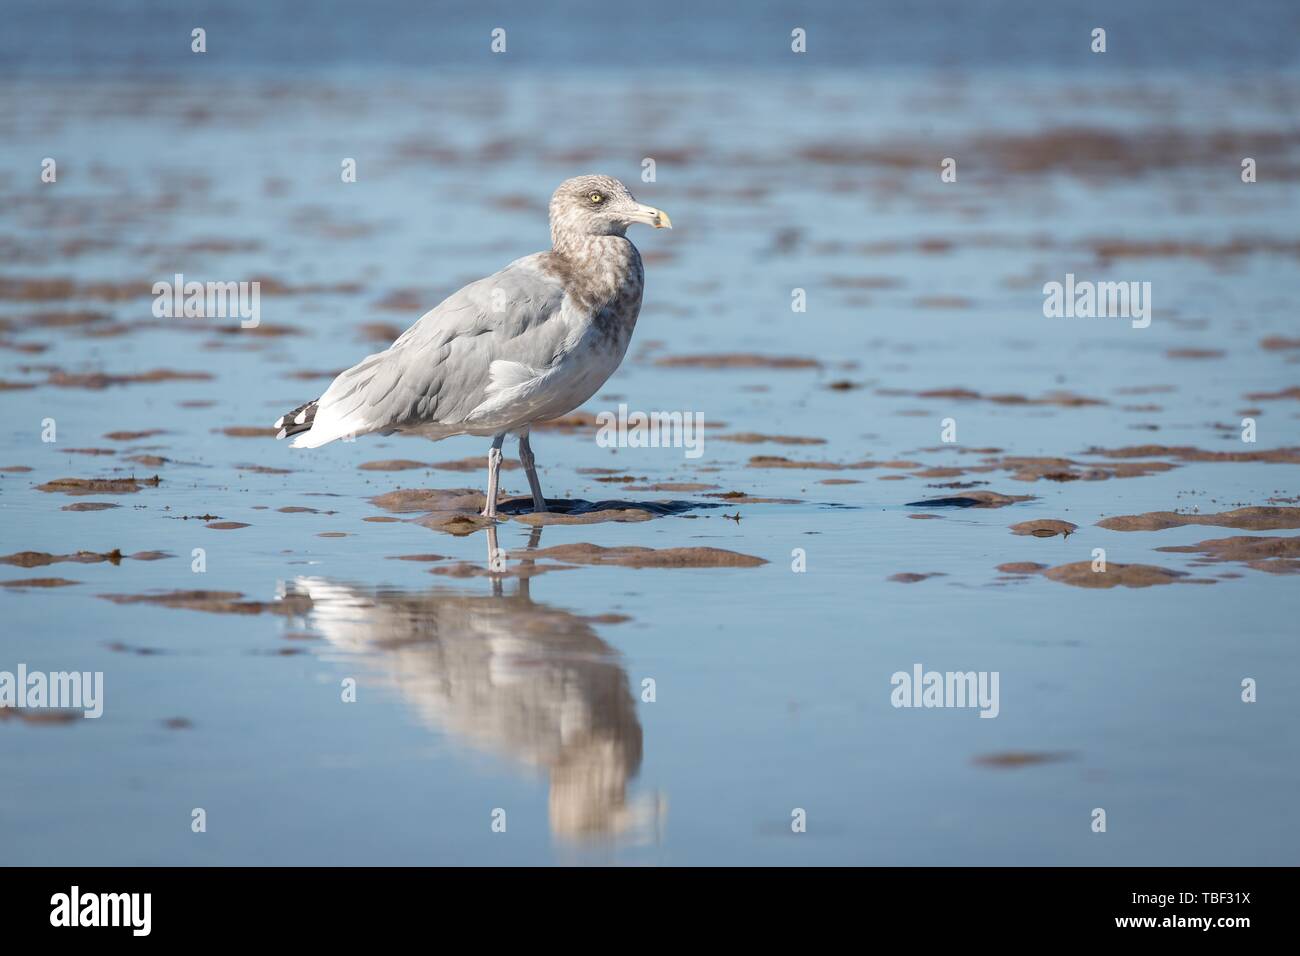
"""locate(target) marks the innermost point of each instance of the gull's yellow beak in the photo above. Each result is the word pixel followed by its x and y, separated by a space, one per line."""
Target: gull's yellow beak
pixel 651 216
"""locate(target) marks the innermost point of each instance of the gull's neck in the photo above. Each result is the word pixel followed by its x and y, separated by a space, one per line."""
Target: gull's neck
pixel 586 246
pixel 597 269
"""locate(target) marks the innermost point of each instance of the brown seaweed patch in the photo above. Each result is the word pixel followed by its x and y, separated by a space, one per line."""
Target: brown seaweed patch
pixel 471 465
pixel 404 300
pixel 737 360
pixel 1171 248
pixel 455 510
pixel 912 577
pixel 216 602
pixel 744 498
pixel 956 394
pixel 37 583
pixel 1254 518
pixel 944 302
pixel 568 424
pixel 99 486
pixel 1082 575
pixel 89 506
pixel 247 431
pixel 29 348
pixel 379 331
pixel 313 374
pixel 1021 567
pixel 1066 469
pixel 638 557
pixel 864 282
pixel 1292 393
pixel 134 436
pixel 777 461
pixel 120 648
pixel 102 380
pixel 1188 453
pixel 458 523
pixel 41 716
pixel 272 286
pixel 1146 389
pixel 395 464
pixel 60 289
pixel 226 525
pixel 672 486
pixel 1278 555
pixel 1015 759
pixel 1045 528
pixel 1277 566
pixel 668 487
pixel 64 319
pixel 1060 399
pixel 1086 151
pixel 408 500
pixel 39 559
pixel 1190 353
pixel 754 438
pixel 972 499
pixel 541 519
pixel 1279 343
pixel 263 330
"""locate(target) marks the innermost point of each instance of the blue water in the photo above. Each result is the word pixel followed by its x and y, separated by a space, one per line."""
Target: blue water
pixel 772 688
pixel 433 36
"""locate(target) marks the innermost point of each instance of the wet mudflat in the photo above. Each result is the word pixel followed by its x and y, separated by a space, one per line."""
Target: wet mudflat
pixel 827 537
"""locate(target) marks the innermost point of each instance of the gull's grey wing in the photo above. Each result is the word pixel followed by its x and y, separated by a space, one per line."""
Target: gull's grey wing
pixel 439 370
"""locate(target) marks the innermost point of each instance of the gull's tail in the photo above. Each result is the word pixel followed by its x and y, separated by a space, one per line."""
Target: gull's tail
pixel 298 420
pixel 345 411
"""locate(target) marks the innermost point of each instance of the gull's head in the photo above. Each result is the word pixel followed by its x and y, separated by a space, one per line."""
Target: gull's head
pixel 599 206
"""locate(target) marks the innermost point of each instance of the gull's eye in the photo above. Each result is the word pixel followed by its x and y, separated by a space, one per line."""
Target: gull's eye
pixel 596 198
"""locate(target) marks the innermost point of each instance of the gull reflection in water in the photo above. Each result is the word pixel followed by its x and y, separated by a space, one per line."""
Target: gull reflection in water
pixel 504 674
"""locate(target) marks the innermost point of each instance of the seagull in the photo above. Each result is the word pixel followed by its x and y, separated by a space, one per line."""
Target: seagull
pixel 525 345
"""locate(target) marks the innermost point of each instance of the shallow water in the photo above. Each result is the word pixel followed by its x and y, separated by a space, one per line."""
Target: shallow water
pixel 772 688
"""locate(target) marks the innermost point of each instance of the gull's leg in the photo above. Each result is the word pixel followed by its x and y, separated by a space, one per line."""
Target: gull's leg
pixel 494 476
pixel 530 468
